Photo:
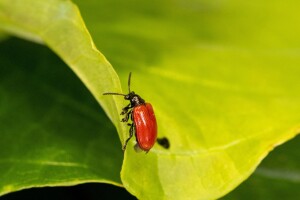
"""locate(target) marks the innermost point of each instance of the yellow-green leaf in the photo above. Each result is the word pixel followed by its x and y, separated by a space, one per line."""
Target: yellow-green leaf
pixel 222 77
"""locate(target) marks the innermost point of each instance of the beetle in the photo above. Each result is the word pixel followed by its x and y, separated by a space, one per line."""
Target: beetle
pixel 143 119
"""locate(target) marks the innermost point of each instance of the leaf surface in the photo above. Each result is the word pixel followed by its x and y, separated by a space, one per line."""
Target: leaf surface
pixel 53 132
pixel 276 178
pixel 223 80
pixel 221 76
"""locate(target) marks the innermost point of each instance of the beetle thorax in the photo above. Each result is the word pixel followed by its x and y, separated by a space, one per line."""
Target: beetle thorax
pixel 134 99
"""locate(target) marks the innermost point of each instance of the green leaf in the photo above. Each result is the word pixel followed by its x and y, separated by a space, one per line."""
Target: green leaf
pixel 222 77
pixel 52 130
pixel 58 24
pixel 223 80
pixel 50 135
pixel 276 178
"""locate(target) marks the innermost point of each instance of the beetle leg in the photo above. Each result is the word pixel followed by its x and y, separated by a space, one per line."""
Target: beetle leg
pixel 125 119
pixel 130 136
pixel 125 109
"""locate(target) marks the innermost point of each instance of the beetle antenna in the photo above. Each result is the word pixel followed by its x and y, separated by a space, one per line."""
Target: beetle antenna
pixel 113 93
pixel 129 77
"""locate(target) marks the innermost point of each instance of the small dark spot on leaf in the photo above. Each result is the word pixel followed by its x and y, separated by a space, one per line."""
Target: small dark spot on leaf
pixel 164 142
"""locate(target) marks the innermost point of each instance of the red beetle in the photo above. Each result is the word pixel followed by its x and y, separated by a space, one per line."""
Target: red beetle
pixel 143 119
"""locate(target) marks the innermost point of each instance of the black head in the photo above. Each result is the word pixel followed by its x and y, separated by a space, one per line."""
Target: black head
pixel 131 96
